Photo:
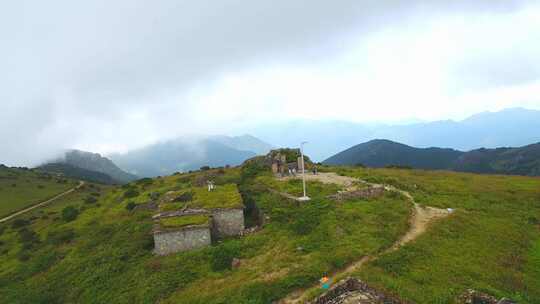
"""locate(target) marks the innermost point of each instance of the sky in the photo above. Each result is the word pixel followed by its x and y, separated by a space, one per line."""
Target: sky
pixel 110 76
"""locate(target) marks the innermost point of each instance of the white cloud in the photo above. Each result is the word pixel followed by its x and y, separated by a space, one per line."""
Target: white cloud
pixel 110 76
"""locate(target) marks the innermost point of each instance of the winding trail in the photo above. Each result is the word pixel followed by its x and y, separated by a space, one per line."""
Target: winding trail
pixel 7 218
pixel 419 221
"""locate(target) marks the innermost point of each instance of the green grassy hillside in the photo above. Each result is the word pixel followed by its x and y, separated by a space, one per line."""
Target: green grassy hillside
pixel 20 188
pixel 104 254
pixel 491 242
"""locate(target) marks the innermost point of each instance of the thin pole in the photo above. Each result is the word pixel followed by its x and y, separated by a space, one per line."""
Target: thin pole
pixel 303 167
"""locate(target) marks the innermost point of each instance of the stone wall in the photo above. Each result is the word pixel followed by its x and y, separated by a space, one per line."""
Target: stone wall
pixel 473 297
pixel 352 290
pixel 227 222
pixel 171 241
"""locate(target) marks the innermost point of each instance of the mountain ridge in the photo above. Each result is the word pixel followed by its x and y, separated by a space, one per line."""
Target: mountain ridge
pixel 523 160
pixel 83 165
pixel 509 127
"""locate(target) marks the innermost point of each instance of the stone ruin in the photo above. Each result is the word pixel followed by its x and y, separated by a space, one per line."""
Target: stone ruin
pixel 351 290
pixel 171 240
pixel 221 221
pixel 354 291
pixel 277 160
pixel 472 296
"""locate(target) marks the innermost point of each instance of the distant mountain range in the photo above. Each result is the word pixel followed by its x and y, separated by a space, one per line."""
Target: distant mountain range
pixel 88 166
pixel 380 153
pixel 511 127
pixel 185 154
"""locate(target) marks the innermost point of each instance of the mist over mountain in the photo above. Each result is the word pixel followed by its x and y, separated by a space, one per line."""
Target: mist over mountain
pixel 244 143
pixel 185 154
pixel 381 153
pixel 509 127
pixel 87 166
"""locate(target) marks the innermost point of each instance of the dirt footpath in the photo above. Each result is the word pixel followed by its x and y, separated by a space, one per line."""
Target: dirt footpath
pixel 420 220
pixel 7 218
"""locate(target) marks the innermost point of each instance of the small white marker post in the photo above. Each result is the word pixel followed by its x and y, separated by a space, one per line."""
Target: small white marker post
pixel 305 197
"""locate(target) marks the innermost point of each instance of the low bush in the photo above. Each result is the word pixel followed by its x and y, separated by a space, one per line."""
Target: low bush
pixel 184 197
pixel 130 206
pixel 90 200
pixel 23 256
pixel 145 181
pixel 130 193
pixel 18 223
pixel 222 256
pixel 62 236
pixel 70 213
pixel 28 238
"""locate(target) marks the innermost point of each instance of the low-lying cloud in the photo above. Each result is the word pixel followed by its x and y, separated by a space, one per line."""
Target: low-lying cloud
pixel 110 76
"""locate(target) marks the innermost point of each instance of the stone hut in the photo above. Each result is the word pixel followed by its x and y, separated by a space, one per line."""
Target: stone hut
pixel 227 222
pixel 182 232
pixel 208 215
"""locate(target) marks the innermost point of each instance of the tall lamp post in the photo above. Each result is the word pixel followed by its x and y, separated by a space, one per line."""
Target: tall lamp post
pixel 305 197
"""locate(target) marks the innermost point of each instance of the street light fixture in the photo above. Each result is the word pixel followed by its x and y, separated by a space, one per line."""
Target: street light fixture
pixel 305 197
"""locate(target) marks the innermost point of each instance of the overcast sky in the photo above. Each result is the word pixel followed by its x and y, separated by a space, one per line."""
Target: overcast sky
pixel 109 76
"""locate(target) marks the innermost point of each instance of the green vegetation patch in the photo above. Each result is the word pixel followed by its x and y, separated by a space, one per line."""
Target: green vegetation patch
pixel 21 188
pixel 105 254
pixel 490 243
pixel 223 196
pixel 184 220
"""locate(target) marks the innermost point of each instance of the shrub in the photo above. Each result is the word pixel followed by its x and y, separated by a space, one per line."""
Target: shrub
pixel 62 236
pixel 18 223
pixel 205 168
pixel 252 168
pixel 130 206
pixel 90 200
pixel 131 193
pixel 28 238
pixel 145 181
pixel 184 197
pixel 222 257
pixel 398 167
pixel 23 256
pixel 531 220
pixel 69 213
